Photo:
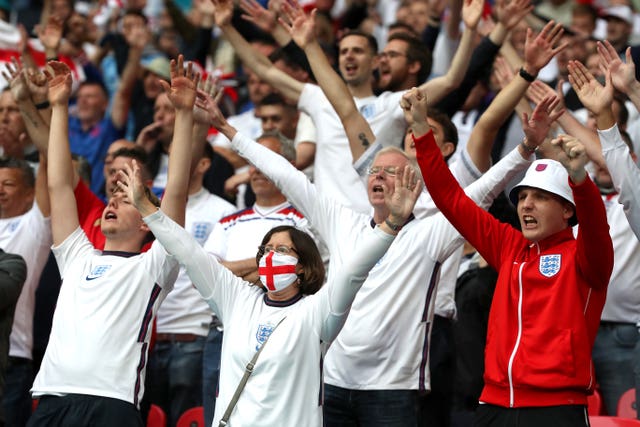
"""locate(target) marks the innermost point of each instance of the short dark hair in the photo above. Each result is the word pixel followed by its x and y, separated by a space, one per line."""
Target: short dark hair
pixel 449 130
pixel 136 12
pixel 416 52
pixel 274 99
pixel 308 257
pixel 403 27
pixel 28 177
pixel 98 83
pixel 371 41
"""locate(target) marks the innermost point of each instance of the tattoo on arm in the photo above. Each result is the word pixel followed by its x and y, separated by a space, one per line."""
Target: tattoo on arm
pixel 363 139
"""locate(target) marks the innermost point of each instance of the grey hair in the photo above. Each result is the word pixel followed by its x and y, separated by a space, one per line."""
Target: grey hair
pixel 287 147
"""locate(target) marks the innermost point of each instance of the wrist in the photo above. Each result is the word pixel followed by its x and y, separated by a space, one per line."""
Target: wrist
pixel 530 149
pixel 525 74
pixel 393 223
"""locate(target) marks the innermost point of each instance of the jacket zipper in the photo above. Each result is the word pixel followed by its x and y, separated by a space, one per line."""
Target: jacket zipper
pixel 517 344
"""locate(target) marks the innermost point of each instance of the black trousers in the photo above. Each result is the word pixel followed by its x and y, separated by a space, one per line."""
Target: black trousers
pixel 548 416
pixel 80 410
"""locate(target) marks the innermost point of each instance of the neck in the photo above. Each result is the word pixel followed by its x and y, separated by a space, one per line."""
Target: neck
pixel 122 245
pixel 363 90
pixel 88 124
pixel 195 185
pixel 268 201
pixel 284 294
pixel 380 214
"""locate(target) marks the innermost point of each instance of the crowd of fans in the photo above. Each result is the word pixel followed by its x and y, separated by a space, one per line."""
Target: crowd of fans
pixel 284 138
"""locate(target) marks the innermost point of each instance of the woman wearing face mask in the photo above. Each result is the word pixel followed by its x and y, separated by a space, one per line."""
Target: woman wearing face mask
pixel 294 312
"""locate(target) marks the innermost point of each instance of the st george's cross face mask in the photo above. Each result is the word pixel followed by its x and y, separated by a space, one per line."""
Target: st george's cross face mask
pixel 277 271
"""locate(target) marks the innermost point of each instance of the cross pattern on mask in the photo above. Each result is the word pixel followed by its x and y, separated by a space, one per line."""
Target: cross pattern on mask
pixel 269 271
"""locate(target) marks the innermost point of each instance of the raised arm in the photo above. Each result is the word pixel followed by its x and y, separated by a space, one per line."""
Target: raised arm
pixel 137 38
pixel 439 87
pixel 302 29
pixel 597 99
pixel 64 211
pixel 538 52
pixel 182 94
pixel 257 62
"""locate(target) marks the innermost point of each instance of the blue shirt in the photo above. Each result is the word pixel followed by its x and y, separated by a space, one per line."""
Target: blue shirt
pixel 93 145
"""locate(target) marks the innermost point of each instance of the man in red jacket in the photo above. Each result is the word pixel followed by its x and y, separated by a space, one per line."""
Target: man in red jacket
pixel 551 286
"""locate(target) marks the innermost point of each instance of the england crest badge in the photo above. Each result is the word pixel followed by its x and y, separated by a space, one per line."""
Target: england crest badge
pixel 550 265
pixel 264 330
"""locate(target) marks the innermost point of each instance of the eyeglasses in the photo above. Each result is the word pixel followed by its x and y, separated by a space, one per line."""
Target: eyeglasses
pixel 281 249
pixel 389 170
pixel 390 54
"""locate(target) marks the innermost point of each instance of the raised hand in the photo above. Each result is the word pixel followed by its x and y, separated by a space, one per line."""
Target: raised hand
pixel 182 92
pixel 595 97
pixel 572 155
pixel 207 87
pixel 471 13
pixel 511 13
pixel 414 104
pixel 254 12
pixel 401 200
pixel 538 51
pixel 130 183
pixel 623 74
pixel 14 76
pixel 209 104
pixel 503 72
pixel 536 128
pixel 59 77
pixel 223 12
pixel 300 26
pixel 38 86
pixel 50 34
pixel 538 91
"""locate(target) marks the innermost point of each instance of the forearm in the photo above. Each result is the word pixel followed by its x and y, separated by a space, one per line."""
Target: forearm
pixel 350 278
pixel 242 267
pixel 624 173
pixel 439 87
pixel 634 94
pixel 594 247
pixel 175 196
pixel 60 173
pixel 122 97
pixel 493 182
pixel 36 127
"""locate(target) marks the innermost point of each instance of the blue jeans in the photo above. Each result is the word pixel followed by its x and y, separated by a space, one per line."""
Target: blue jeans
pixel 174 376
pixel 211 373
pixel 616 358
pixel 369 408
pixel 17 399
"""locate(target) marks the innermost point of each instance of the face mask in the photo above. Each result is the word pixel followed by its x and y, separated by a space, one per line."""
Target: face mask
pixel 277 271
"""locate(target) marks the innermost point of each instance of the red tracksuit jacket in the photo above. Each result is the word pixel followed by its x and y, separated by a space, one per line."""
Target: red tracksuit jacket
pixel 549 295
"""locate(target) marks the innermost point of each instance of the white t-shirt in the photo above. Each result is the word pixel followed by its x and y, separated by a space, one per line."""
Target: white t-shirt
pixel 384 343
pixel 28 235
pixel 184 311
pixel 99 340
pixel 333 173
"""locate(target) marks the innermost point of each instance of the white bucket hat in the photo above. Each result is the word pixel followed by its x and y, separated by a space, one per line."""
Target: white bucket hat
pixel 548 175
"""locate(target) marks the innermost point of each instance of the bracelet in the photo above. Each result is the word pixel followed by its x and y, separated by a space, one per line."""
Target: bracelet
pixel 525 75
pixel 53 58
pixel 392 226
pixel 43 105
pixel 527 148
